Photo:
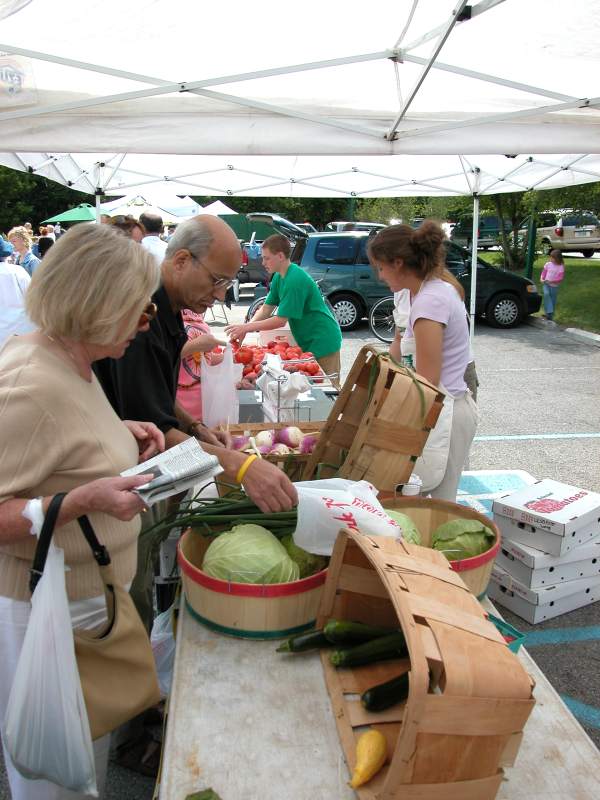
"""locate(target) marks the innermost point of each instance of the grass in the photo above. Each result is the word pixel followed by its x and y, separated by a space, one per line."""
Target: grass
pixel 578 302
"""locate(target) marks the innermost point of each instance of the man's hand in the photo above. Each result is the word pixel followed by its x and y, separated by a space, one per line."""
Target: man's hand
pixel 237 332
pixel 218 438
pixel 269 487
pixel 149 438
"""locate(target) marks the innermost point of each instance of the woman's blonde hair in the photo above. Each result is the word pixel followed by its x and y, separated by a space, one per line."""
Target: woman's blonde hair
pixel 90 283
pixel 23 233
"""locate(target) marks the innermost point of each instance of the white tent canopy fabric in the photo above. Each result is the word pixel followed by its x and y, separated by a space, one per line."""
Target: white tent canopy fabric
pixel 414 77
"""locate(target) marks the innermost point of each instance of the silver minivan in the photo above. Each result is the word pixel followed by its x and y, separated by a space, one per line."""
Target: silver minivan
pixel 569 231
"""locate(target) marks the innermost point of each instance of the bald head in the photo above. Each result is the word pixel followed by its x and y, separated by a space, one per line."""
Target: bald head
pixel 202 257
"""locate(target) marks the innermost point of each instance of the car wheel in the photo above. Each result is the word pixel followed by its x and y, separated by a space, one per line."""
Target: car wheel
pixel 587 253
pixel 504 311
pixel 348 311
pixel 546 247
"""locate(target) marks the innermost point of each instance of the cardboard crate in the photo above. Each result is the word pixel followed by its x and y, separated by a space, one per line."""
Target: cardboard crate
pixel 535 569
pixel 549 516
pixel 538 605
pixel 378 425
pixel 453 734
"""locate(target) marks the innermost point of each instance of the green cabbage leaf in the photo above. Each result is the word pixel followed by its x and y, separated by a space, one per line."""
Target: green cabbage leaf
pixel 249 554
pixel 308 563
pixel 409 530
pixel 462 538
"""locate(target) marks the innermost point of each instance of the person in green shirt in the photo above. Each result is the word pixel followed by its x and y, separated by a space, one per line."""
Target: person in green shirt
pixel 298 300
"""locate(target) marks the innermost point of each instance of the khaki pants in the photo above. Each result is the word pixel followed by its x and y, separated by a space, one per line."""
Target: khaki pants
pixel 332 364
pixel 464 424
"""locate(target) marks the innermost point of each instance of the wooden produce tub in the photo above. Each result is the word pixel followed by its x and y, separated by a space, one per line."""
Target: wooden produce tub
pixel 446 742
pixel 378 425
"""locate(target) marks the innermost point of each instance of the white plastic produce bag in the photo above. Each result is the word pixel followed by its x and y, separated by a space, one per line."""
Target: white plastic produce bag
pixel 163 649
pixel 220 400
pixel 327 506
pixel 46 728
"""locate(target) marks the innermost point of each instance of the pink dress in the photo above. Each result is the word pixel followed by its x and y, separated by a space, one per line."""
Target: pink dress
pixel 188 384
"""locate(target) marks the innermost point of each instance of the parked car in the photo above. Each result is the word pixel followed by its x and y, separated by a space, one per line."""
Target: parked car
pixel 569 231
pixel 306 226
pixel 489 231
pixel 262 225
pixel 339 262
pixel 356 226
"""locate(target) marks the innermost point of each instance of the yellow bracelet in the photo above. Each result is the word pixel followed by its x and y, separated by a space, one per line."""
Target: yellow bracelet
pixel 244 468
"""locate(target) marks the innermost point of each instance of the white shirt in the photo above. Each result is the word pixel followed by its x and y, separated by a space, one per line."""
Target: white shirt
pixel 14 281
pixel 156 246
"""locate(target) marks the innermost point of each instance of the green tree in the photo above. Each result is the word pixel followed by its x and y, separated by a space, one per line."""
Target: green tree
pixel 30 198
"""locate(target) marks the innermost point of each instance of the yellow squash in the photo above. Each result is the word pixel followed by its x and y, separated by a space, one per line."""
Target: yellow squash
pixel 371 753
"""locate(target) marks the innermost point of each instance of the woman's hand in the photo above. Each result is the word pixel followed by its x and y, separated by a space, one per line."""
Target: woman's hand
pixel 237 332
pixel 149 438
pixel 269 487
pixel 112 496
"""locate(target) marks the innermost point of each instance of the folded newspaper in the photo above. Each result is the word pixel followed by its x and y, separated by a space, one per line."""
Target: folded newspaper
pixel 176 470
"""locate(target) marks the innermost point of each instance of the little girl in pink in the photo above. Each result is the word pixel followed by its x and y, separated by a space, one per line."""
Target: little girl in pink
pixel 551 277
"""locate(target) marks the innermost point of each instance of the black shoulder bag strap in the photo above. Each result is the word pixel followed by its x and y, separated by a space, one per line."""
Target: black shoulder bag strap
pixel 41 551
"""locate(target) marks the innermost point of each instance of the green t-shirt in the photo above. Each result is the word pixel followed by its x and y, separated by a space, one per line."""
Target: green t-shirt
pixel 299 300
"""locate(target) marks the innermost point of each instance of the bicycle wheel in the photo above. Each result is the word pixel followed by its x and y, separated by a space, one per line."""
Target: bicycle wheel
pixel 253 308
pixel 381 320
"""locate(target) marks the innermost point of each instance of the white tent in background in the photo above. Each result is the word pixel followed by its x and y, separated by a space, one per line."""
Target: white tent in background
pixel 135 206
pixel 218 208
pixel 412 97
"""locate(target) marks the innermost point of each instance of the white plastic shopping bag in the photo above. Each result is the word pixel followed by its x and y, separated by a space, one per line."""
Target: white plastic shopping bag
pixel 163 648
pixel 46 728
pixel 220 401
pixel 327 506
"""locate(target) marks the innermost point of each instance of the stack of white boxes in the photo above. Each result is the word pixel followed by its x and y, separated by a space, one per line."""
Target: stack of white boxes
pixel 549 561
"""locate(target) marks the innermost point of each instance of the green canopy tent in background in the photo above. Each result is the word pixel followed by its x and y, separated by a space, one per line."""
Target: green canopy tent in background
pixel 84 212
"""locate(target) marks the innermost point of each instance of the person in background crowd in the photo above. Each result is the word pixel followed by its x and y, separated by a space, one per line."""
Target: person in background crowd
pixel 44 243
pixel 21 241
pixel 297 299
pixel 552 276
pixel 200 343
pixel 129 225
pixel 437 332
pixel 153 227
pixel 27 226
pixel 170 231
pixel 58 231
pixel 88 298
pixel 14 282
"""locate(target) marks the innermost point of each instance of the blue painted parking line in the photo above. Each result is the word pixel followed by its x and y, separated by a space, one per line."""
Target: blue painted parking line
pixel 588 715
pixel 561 635
pixel 536 436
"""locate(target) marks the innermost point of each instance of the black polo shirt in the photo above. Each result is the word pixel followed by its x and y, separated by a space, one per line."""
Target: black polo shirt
pixel 142 384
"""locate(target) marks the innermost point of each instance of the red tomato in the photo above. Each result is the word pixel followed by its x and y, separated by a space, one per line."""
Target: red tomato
pixel 291 367
pixel 312 368
pixel 217 350
pixel 272 344
pixel 243 356
pixel 292 353
pixel 250 376
pixel 306 355
pixel 248 368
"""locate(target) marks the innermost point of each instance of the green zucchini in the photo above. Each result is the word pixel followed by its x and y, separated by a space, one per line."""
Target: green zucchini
pixel 387 694
pixel 341 632
pixel 310 640
pixel 392 646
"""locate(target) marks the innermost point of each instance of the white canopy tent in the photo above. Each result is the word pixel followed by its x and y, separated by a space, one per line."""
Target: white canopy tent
pixel 404 98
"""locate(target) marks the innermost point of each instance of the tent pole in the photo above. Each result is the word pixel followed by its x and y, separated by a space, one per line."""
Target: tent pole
pixel 98 211
pixel 474 238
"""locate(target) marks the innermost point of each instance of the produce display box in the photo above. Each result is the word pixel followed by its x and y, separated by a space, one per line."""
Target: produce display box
pixel 513 638
pixel 378 425
pixel 292 464
pixel 538 605
pixel 469 696
pixel 535 569
pixel 549 516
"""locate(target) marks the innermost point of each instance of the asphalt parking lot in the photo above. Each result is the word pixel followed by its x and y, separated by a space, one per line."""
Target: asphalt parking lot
pixel 538 399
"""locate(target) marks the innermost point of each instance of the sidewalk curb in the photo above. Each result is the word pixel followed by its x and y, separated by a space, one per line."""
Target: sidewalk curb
pixel 575 333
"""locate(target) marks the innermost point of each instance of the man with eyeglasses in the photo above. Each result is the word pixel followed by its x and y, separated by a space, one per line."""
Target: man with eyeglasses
pixel 201 263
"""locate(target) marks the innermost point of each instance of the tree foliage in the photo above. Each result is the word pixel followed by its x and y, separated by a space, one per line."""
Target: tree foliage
pixel 30 198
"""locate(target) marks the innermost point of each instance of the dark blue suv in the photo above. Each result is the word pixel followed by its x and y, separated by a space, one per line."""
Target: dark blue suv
pixel 339 262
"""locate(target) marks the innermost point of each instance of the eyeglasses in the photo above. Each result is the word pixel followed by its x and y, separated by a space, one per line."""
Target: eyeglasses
pixel 148 314
pixel 217 283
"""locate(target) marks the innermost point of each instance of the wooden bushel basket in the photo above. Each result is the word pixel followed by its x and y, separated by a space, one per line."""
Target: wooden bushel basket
pixel 448 742
pixel 428 514
pixel 378 425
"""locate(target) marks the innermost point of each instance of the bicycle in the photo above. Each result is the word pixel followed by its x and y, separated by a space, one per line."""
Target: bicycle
pixel 381 320
pixel 260 301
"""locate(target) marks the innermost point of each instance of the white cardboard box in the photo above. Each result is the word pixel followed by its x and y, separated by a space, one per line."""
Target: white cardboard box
pixel 537 605
pixel 549 516
pixel 546 541
pixel 536 569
